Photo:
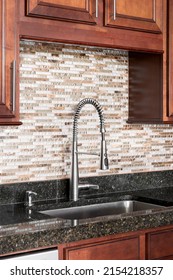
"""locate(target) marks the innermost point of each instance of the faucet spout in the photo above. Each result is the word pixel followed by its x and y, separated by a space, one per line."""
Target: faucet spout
pixel 74 181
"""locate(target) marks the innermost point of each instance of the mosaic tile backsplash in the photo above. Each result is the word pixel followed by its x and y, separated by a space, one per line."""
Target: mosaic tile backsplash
pixel 53 79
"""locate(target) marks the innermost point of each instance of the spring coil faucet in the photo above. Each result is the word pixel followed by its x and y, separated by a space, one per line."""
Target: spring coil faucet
pixel 74 182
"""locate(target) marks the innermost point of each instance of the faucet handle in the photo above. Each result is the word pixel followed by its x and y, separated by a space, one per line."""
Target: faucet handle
pixel 86 186
pixel 29 198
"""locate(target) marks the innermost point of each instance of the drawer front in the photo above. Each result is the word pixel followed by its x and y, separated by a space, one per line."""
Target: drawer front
pixel 119 249
pixel 160 245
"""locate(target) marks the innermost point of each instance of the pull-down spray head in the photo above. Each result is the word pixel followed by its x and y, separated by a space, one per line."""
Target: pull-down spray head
pixel 104 164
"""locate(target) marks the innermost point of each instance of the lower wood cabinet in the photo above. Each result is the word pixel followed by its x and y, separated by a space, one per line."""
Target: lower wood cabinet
pixel 148 244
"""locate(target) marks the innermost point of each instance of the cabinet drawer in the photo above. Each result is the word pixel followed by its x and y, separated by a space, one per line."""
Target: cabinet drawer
pixel 160 244
pixel 115 249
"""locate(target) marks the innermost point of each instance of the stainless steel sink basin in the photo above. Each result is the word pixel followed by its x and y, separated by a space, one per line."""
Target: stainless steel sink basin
pixel 104 209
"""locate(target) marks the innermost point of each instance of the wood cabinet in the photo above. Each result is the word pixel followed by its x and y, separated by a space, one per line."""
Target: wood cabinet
pixel 159 245
pixel 120 246
pixel 129 24
pixel 143 15
pixel 127 14
pixel 9 83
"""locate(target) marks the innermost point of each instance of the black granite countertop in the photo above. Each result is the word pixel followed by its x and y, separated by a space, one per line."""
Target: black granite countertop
pixel 23 229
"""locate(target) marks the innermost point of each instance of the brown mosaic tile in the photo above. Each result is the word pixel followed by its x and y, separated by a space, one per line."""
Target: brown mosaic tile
pixel 53 79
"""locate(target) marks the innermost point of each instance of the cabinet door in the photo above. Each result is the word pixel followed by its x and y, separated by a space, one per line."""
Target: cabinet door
pixel 108 248
pixel 160 245
pixel 145 15
pixel 9 107
pixel 82 11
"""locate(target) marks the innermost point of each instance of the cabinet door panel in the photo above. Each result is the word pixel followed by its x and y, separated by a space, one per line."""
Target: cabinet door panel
pixel 82 11
pixel 9 103
pixel 145 15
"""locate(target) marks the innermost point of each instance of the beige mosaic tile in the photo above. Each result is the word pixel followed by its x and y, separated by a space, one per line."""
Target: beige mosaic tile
pixel 53 79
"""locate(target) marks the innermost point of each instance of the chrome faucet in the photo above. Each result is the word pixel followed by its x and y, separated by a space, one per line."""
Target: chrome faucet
pixel 74 181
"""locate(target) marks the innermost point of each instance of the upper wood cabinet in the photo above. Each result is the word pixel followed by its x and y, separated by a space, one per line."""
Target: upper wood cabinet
pixel 69 10
pixel 123 24
pixel 145 15
pixel 9 84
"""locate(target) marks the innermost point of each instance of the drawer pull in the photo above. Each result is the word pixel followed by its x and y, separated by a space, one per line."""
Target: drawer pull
pixel 13 86
pixel 114 12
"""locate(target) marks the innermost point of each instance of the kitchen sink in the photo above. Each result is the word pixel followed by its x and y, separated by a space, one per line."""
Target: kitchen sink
pixel 103 209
